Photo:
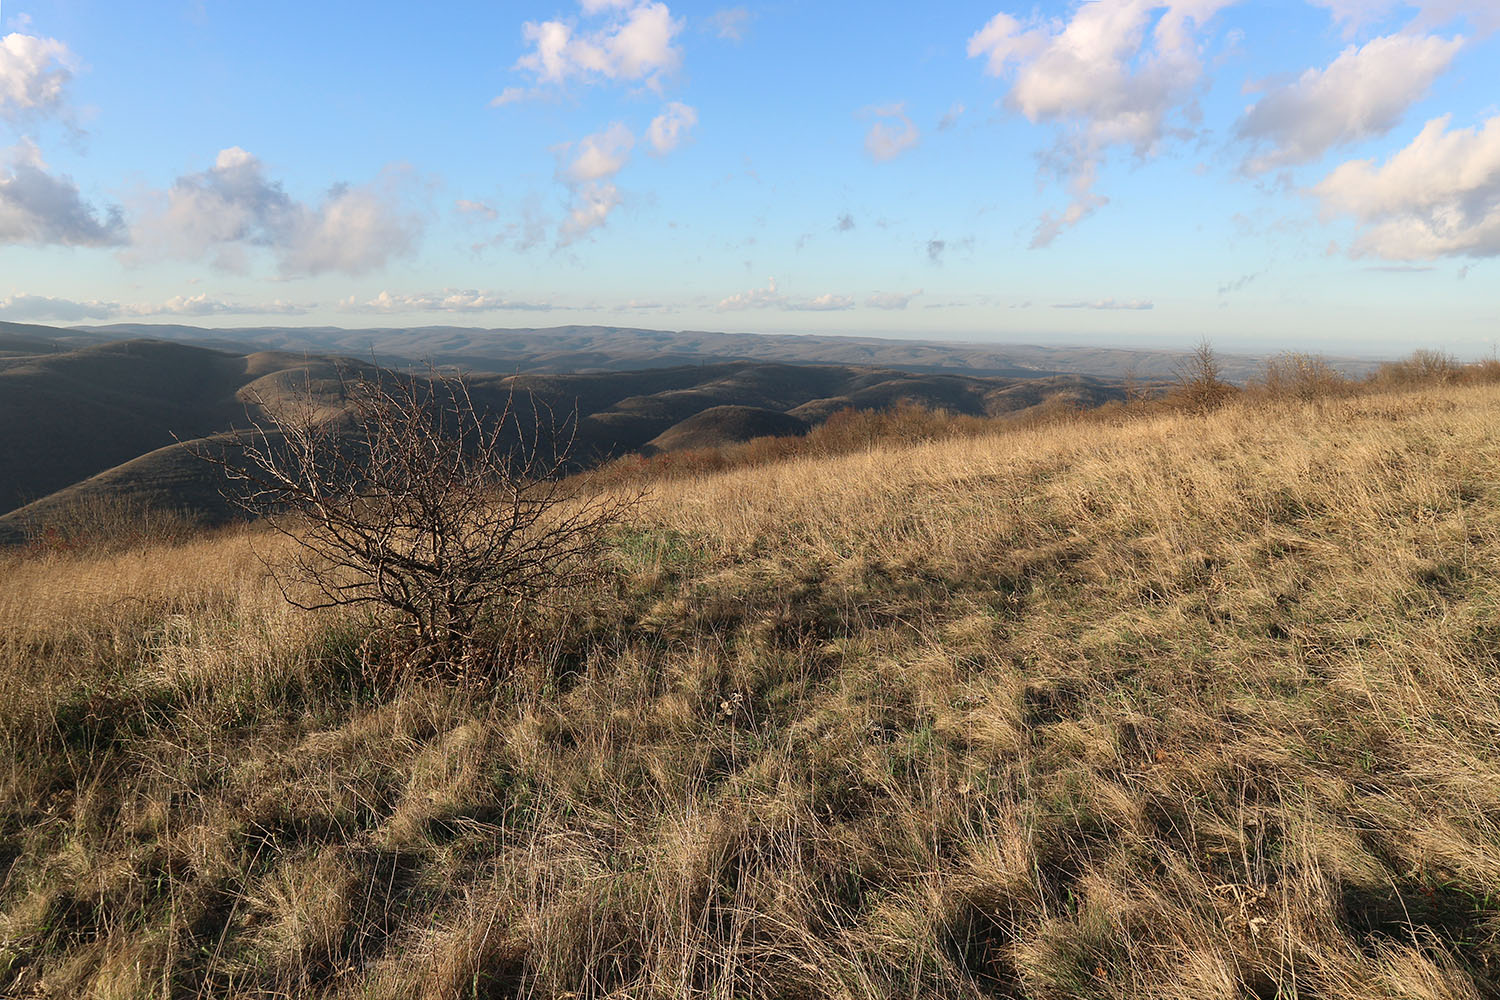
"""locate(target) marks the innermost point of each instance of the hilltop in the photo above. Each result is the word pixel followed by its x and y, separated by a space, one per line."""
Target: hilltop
pixel 1160 705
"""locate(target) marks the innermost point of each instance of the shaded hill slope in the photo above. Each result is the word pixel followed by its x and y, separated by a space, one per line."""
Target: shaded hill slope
pixel 722 425
pixel 101 420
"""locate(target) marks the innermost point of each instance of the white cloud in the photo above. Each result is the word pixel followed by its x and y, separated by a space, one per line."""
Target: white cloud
pixel 755 298
pixel 233 207
pixel 38 208
pixel 1105 79
pixel 1108 305
pixel 1483 15
pixel 32 307
pixel 33 74
pixel 204 305
pixel 589 210
pixel 822 303
pixel 951 116
pixel 771 298
pixel 730 23
pixel 595 160
pixel 635 45
pixel 891 300
pixel 892 134
pixel 669 128
pixel 1361 94
pixel 510 95
pixel 457 300
pixel 483 209
pixel 600 155
pixel 1438 197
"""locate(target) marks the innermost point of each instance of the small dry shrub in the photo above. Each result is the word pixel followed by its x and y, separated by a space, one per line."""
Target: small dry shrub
pixel 101 523
pixel 1303 377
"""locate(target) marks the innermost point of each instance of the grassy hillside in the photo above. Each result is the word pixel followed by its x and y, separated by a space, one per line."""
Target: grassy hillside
pixel 1185 706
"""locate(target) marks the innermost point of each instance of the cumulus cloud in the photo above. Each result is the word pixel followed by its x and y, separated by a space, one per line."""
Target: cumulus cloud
pixel 892 134
pixel 589 172
pixel 771 298
pixel 233 207
pixel 891 300
pixel 1438 197
pixel 1108 305
pixel 1361 94
pixel 38 208
pixel 601 155
pixel 33 74
pixel 669 128
pixel 1105 79
pixel 33 307
pixel 634 45
pixel 452 300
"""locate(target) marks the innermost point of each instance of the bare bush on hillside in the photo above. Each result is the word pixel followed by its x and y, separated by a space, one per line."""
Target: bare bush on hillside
pixel 102 522
pixel 1304 377
pixel 418 501
pixel 1200 383
pixel 1422 366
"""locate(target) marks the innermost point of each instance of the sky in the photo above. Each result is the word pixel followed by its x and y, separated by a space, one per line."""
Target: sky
pixel 1317 175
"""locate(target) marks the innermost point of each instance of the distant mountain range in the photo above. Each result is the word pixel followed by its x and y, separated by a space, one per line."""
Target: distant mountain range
pixel 602 348
pixel 87 414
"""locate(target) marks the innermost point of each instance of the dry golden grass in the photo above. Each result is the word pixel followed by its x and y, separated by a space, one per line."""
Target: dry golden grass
pixel 1182 706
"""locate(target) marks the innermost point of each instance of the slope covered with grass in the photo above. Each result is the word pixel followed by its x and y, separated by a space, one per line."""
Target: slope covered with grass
pixel 1190 706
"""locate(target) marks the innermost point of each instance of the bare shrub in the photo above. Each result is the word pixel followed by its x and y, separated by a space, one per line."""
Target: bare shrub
pixel 104 523
pixel 1422 366
pixel 414 499
pixel 1305 377
pixel 1200 384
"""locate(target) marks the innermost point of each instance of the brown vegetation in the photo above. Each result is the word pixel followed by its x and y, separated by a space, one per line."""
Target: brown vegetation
pixel 449 520
pixel 1184 705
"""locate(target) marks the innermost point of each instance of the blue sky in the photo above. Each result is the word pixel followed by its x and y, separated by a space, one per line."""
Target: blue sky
pixel 1317 174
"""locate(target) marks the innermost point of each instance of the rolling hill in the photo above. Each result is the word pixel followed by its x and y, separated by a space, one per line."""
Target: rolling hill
pixel 104 420
pixel 603 348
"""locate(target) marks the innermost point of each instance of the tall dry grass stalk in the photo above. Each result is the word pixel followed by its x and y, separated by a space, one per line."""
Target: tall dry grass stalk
pixel 1187 706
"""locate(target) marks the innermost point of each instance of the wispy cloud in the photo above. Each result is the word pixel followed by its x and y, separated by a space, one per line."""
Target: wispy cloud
pixel 730 23
pixel 449 300
pixel 1108 304
pixel 36 307
pixel 892 134
pixel 891 300
pixel 771 298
